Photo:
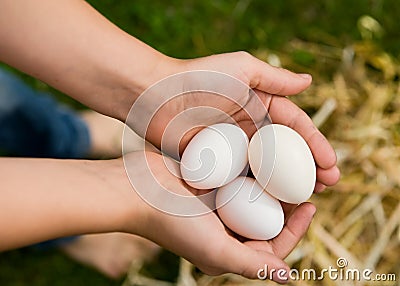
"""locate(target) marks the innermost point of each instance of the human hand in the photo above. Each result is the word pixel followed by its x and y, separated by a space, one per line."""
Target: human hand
pixel 247 109
pixel 203 239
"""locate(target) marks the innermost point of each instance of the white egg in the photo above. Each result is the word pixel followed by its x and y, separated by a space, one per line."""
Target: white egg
pixel 215 156
pixel 247 210
pixel 282 163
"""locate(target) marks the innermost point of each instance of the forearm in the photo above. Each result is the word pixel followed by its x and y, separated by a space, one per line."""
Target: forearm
pixel 70 46
pixel 46 198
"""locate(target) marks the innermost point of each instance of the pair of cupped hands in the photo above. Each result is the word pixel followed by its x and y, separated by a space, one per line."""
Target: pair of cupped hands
pixel 203 239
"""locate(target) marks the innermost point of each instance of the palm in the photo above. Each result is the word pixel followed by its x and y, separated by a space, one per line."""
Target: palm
pixel 255 110
pixel 270 88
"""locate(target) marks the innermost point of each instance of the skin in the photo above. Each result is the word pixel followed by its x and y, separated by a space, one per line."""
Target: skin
pixel 70 46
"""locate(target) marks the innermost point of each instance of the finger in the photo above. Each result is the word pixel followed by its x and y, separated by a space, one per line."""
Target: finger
pixel 319 187
pixel 275 80
pixel 328 177
pixel 295 228
pixel 285 112
pixel 253 112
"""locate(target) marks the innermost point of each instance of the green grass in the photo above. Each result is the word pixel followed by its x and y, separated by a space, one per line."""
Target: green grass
pixel 194 28
pixel 31 266
pixel 40 268
pixel 187 29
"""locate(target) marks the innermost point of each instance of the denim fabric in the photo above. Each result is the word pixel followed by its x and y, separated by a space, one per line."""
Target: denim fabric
pixel 49 244
pixel 33 124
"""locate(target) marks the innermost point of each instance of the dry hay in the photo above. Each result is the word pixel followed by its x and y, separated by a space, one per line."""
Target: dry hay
pixel 358 219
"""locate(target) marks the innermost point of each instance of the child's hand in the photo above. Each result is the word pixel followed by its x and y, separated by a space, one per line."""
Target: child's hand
pixel 269 83
pixel 202 239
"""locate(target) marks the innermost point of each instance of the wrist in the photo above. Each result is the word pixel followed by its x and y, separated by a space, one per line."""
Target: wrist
pixel 131 213
pixel 141 67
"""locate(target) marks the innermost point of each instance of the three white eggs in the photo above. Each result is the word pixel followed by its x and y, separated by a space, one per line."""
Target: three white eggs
pixel 280 160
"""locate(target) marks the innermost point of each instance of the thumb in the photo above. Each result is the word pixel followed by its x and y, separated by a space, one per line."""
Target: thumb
pixel 274 80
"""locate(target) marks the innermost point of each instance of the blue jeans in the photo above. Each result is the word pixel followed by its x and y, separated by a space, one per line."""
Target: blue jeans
pixel 33 124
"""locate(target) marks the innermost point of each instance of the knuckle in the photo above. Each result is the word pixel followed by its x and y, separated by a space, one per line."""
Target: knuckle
pixel 244 55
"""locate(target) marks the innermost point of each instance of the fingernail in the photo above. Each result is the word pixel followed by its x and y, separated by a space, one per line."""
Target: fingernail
pixel 305 75
pixel 315 210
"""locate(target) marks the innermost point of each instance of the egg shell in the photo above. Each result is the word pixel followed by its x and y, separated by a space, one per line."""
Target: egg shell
pixel 215 156
pixel 248 210
pixel 282 163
